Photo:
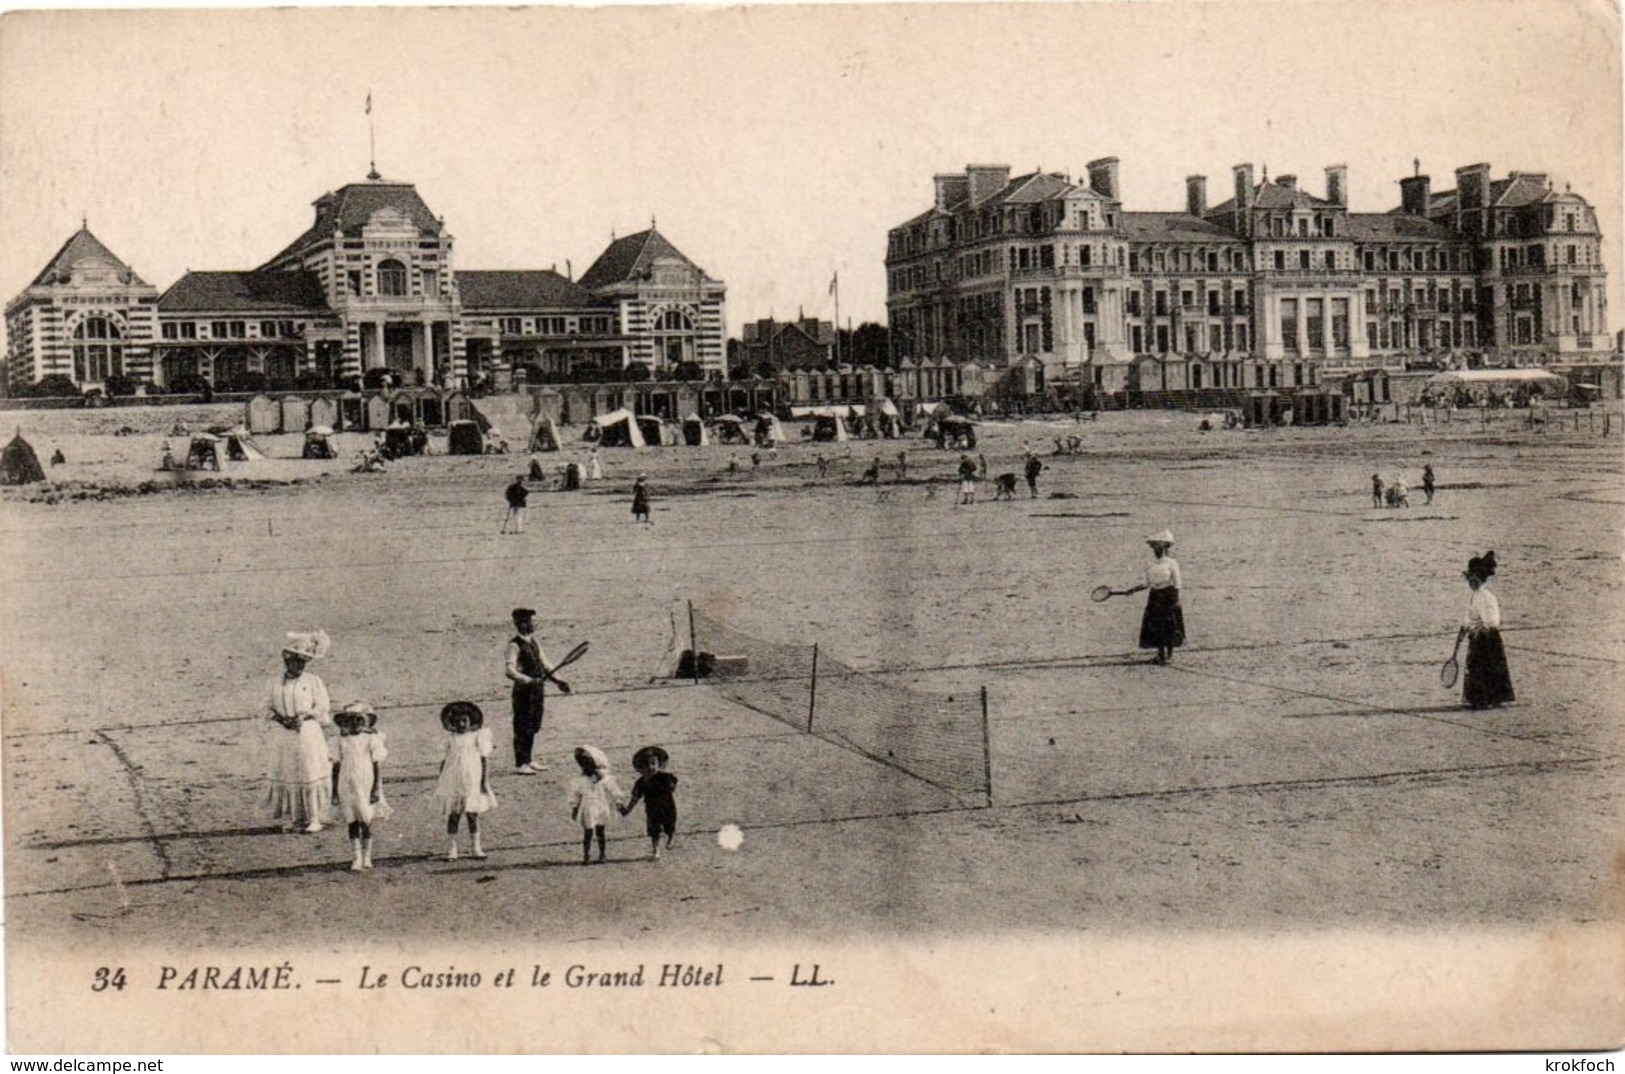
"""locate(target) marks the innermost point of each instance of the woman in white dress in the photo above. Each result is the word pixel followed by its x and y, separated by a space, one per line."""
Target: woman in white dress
pixel 298 788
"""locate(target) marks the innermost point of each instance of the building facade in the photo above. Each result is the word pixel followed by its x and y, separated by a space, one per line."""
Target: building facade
pixel 1272 287
pixel 371 285
pixel 805 343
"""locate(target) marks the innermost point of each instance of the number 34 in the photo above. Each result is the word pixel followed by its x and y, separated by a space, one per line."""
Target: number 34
pixel 108 978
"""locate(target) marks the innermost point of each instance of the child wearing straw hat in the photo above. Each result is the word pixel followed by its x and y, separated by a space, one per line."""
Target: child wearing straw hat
pixel 594 798
pixel 357 780
pixel 463 788
pixel 657 788
pixel 1163 626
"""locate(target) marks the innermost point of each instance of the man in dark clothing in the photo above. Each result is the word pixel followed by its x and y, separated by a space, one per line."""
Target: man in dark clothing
pixel 528 669
pixel 1033 468
pixel 517 495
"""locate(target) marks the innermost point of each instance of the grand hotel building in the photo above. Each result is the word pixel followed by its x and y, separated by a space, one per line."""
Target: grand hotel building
pixel 1269 288
pixel 370 285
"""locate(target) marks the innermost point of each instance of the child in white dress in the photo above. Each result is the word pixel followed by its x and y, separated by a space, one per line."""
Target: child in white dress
pixel 358 792
pixel 464 788
pixel 594 798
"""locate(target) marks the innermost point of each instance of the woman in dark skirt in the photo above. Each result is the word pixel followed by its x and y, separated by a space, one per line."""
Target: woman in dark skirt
pixel 1487 683
pixel 1163 626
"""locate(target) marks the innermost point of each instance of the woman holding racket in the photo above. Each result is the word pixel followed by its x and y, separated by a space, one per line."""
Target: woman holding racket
pixel 1163 626
pixel 1488 681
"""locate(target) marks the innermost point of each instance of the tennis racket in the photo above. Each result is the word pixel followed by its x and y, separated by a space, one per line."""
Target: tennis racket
pixel 569 658
pixel 1103 592
pixel 1449 672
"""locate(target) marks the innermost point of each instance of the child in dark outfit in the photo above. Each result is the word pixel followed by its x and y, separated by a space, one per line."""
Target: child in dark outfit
pixel 657 788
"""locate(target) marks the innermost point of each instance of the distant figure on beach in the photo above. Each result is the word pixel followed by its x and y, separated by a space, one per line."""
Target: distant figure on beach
pixel 902 466
pixel 1427 481
pixel 1163 626
pixel 1376 490
pixel 823 464
pixel 517 495
pixel 57 458
pixel 1399 494
pixel 640 501
pixel 967 480
pixel 595 469
pixel 1033 468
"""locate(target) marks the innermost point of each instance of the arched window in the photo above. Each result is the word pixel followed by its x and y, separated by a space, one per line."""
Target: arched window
pixel 392 278
pixel 674 338
pixel 98 350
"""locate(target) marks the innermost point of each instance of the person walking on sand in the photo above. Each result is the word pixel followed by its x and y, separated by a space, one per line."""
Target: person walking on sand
pixel 640 501
pixel 517 495
pixel 657 788
pixel 1033 467
pixel 298 791
pixel 463 787
pixel 967 480
pixel 1427 481
pixel 1163 626
pixel 1487 682
pixel 527 667
pixel 1376 490
pixel 358 791
pixel 595 468
pixel 594 798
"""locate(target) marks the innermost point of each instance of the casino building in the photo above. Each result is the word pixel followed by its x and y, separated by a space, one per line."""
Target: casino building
pixel 371 285
pixel 1271 287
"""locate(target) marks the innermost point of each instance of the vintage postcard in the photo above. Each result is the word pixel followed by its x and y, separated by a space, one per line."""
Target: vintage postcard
pixel 905 528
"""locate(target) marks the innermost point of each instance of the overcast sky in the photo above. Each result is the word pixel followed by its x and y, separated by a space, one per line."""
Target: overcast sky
pixel 774 145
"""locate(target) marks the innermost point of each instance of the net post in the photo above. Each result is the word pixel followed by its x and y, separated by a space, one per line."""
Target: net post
pixel 987 750
pixel 693 646
pixel 812 690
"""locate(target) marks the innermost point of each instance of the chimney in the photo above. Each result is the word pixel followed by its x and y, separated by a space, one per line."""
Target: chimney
pixel 1244 187
pixel 1196 195
pixel 1103 177
pixel 986 180
pixel 951 189
pixel 1337 185
pixel 1414 192
pixel 1290 182
pixel 1472 186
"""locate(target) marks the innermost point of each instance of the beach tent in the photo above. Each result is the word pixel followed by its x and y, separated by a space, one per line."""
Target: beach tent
pixel 465 438
pixel 544 435
pixel 318 443
pixel 955 431
pixel 830 428
pixel 730 429
pixel 656 432
pixel 618 428
pixel 769 433
pixel 295 414
pixel 18 463
pixel 694 432
pixel 888 420
pixel 239 445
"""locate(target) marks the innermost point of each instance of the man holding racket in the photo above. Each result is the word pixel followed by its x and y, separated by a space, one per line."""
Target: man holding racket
pixel 528 669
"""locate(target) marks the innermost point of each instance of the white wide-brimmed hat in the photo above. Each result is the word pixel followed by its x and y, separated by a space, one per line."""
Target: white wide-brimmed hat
pixel 311 646
pixel 598 756
pixel 1164 537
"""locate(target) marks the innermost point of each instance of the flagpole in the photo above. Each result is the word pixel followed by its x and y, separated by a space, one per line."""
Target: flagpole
pixel 372 142
pixel 835 288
